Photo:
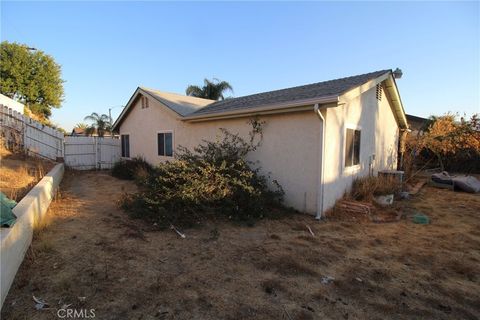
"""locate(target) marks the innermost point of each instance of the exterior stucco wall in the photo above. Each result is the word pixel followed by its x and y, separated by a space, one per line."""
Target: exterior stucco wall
pixel 379 137
pixel 143 125
pixel 388 134
pixel 289 152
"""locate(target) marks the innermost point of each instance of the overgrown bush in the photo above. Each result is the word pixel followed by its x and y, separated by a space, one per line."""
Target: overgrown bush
pixel 129 169
pixel 365 188
pixel 215 179
pixel 449 143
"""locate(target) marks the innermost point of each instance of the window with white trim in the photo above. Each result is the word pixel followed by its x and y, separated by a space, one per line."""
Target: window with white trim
pixel 165 144
pixel 352 147
pixel 125 141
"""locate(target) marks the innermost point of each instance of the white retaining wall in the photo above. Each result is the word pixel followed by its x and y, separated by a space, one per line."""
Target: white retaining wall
pixel 15 241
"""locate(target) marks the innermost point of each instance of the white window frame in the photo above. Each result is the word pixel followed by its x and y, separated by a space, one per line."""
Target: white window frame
pixel 121 146
pixel 357 167
pixel 173 143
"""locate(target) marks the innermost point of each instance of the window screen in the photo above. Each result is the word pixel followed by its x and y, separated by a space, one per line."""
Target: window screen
pixel 165 144
pixel 125 141
pixel 352 147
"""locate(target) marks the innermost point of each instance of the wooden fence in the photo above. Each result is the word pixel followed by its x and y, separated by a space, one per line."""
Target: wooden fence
pixel 23 133
pixel 86 153
pixel 82 153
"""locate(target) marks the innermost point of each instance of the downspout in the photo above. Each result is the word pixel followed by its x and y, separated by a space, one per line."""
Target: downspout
pixel 322 164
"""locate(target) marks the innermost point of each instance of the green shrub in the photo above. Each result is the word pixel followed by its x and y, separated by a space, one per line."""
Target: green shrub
pixel 131 168
pixel 214 180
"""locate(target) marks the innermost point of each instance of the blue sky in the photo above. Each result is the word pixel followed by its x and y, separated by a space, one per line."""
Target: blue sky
pixel 107 49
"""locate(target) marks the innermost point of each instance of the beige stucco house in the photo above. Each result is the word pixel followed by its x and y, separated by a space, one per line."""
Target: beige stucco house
pixel 317 137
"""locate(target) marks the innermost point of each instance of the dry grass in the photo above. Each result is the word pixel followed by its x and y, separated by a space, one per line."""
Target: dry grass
pixel 127 270
pixel 19 174
pixel 365 188
pixel 15 180
pixel 4 152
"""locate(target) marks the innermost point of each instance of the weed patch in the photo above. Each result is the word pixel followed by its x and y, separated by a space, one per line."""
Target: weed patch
pixel 132 169
pixel 365 188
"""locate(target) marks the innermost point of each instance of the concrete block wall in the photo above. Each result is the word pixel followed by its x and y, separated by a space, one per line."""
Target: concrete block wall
pixel 15 241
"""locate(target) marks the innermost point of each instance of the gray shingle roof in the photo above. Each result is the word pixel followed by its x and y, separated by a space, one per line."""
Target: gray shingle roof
pixel 309 91
pixel 183 105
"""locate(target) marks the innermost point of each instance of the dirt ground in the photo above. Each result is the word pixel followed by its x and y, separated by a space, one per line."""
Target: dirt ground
pixel 19 173
pixel 92 256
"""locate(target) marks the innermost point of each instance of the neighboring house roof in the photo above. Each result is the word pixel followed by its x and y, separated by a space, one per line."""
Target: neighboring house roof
pixel 78 131
pixel 416 123
pixel 183 105
pixel 191 108
pixel 305 92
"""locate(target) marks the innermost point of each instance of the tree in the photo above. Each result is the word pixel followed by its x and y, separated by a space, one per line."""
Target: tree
pixel 101 123
pixel 451 140
pixel 213 90
pixel 88 130
pixel 81 125
pixel 31 77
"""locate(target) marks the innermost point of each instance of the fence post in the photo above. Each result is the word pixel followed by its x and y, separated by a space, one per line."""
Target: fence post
pixel 96 152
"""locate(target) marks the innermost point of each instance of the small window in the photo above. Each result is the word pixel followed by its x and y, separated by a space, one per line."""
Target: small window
pixel 352 148
pixel 125 141
pixel 165 144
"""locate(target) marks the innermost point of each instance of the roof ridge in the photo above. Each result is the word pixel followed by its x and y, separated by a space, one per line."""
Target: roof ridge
pixel 173 93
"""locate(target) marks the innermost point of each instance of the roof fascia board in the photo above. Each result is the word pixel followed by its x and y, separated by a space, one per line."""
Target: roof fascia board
pixel 222 116
pixel 355 92
pixel 395 99
pixel 267 109
pixel 125 109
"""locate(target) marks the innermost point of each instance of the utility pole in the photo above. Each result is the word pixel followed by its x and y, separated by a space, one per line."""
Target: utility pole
pixel 110 117
pixel 110 112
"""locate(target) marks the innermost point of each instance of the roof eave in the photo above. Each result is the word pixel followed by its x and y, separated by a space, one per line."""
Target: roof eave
pixel 396 100
pixel 286 107
pixel 124 111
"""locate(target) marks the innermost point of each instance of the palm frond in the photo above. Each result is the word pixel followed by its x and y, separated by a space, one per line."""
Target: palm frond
pixel 194 91
pixel 81 126
pixel 222 87
pixel 212 89
pixel 92 117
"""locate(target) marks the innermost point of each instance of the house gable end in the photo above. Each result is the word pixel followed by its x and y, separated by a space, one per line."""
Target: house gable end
pixel 132 102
